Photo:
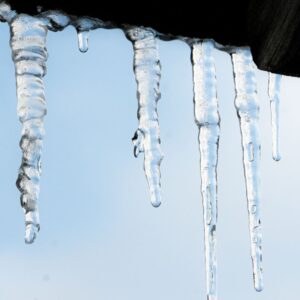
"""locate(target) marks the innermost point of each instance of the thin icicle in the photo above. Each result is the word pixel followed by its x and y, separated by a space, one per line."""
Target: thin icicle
pixel 147 137
pixel 247 106
pixel 274 95
pixel 208 121
pixel 28 44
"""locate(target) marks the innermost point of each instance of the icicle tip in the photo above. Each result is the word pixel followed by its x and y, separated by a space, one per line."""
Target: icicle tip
pixel 277 157
pixel 31 233
pixel 259 287
pixel 156 198
pixel 156 203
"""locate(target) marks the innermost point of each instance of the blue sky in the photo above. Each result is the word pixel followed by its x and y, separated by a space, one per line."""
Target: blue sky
pixel 100 238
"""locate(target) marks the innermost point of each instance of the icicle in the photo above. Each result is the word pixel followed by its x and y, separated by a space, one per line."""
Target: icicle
pixel 28 44
pixel 274 95
pixel 83 27
pixel 208 120
pixel 247 106
pixel 147 137
pixel 83 41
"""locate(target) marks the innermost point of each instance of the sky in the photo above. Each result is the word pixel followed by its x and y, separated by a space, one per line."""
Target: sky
pixel 100 238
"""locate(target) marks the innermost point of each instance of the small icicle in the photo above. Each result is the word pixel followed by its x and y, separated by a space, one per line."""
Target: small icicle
pixel 83 41
pixel 83 27
pixel 274 95
pixel 147 137
pixel 208 121
pixel 247 107
pixel 29 53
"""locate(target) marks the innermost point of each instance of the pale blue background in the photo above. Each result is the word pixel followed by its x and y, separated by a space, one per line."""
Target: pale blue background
pixel 100 237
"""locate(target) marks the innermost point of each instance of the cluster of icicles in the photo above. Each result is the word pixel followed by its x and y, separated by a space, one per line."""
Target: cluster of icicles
pixel 29 53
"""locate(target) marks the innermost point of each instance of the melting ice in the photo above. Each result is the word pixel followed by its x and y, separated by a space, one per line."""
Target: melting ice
pixel 147 137
pixel 28 44
pixel 247 107
pixel 208 121
pixel 274 95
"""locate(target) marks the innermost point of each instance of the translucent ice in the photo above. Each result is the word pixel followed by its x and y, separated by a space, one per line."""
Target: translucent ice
pixel 274 95
pixel 83 27
pixel 247 106
pixel 6 13
pixel 83 41
pixel 28 44
pixel 208 121
pixel 147 137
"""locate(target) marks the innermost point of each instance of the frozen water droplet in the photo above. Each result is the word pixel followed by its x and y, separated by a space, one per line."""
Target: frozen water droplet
pixel 83 41
pixel 147 137
pixel 274 95
pixel 208 121
pixel 28 44
pixel 247 106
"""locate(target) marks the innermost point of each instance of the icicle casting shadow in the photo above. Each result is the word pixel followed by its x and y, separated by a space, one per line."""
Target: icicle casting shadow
pixel 29 53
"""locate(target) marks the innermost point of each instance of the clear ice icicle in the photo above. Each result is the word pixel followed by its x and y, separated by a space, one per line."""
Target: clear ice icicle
pixel 208 121
pixel 147 71
pixel 274 95
pixel 247 106
pixel 83 41
pixel 83 27
pixel 28 44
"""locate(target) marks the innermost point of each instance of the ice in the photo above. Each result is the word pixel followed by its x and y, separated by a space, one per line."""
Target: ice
pixel 83 27
pixel 28 44
pixel 274 95
pixel 208 121
pixel 6 13
pixel 83 41
pixel 247 107
pixel 147 137
pixel 55 20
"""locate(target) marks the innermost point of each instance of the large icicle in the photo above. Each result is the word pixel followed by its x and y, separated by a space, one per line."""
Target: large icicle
pixel 28 44
pixel 274 95
pixel 247 106
pixel 147 137
pixel 208 120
